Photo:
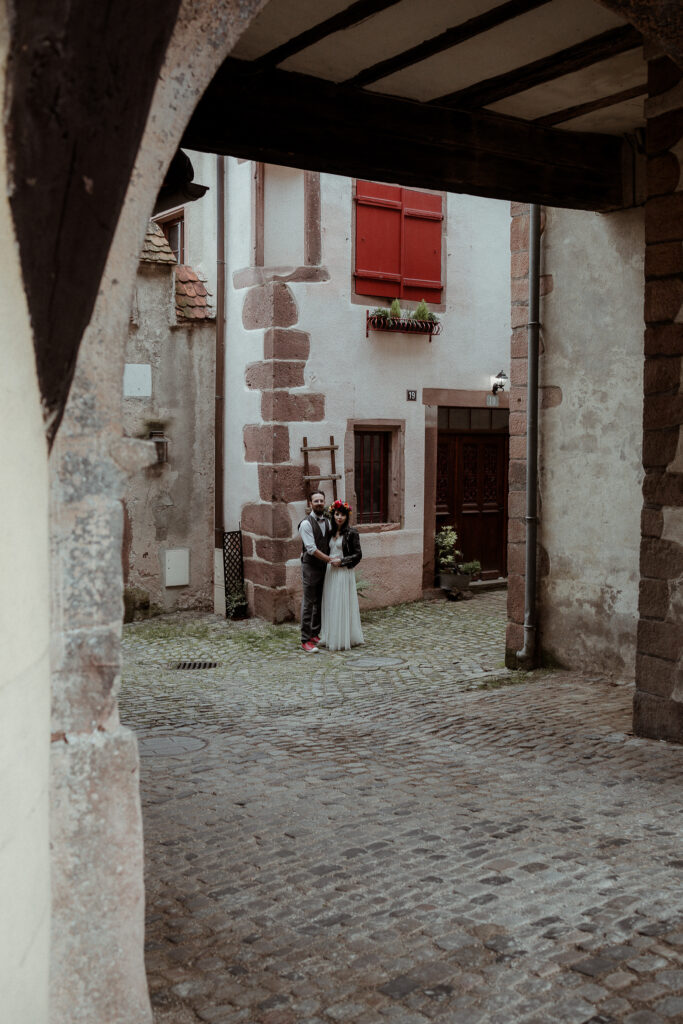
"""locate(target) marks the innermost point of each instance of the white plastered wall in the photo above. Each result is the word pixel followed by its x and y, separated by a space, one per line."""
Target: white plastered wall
pixel 366 378
pixel 24 637
pixel 590 444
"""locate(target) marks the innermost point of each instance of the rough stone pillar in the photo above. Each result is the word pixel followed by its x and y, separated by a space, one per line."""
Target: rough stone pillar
pixel 658 704
pixel 268 526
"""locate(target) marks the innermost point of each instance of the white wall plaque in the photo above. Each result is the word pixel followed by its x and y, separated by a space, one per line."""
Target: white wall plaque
pixel 177 567
pixel 137 380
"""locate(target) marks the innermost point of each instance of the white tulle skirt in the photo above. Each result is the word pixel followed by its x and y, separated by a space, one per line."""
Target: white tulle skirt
pixel 341 628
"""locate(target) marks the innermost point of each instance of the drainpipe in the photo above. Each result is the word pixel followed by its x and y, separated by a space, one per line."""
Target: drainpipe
pixel 219 524
pixel 526 656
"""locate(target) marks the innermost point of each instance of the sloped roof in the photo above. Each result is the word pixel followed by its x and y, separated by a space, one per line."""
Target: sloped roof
pixel 155 248
pixel 191 296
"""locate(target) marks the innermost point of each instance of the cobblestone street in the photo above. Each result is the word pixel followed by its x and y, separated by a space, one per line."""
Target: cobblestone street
pixel 401 833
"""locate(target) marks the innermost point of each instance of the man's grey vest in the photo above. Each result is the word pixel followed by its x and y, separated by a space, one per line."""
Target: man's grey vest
pixel 322 542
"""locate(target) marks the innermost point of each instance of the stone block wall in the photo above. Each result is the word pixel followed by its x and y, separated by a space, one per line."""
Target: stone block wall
pixel 658 704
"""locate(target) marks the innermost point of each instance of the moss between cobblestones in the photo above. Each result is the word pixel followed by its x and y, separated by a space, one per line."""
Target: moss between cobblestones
pixel 512 679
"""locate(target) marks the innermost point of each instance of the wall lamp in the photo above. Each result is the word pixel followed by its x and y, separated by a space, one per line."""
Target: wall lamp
pixel 161 444
pixel 498 382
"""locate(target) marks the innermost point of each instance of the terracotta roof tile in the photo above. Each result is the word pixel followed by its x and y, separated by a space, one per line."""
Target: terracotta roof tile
pixel 191 296
pixel 155 248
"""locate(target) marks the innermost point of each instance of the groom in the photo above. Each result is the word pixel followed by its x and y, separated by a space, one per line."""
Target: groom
pixel 314 531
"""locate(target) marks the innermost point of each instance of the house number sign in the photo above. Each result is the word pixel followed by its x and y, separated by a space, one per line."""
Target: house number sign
pixel 411 396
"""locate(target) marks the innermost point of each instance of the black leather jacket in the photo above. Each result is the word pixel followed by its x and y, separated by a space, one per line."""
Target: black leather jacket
pixel 351 548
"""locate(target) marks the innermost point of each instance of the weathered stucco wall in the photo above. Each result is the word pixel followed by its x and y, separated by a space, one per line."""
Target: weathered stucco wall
pixel 591 377
pixel 24 642
pixel 170 506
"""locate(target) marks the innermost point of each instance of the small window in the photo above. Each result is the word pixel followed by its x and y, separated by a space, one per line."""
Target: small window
pixel 371 471
pixel 398 243
pixel 173 226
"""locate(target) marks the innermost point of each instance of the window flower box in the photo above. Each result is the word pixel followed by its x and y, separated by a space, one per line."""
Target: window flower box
pixel 402 324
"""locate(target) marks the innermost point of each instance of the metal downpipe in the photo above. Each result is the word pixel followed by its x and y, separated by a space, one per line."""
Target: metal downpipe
pixel 526 656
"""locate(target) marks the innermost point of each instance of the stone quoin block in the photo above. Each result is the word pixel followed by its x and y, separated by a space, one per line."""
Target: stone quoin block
pixel 663 299
pixel 247 545
pixel 663 132
pixel 660 488
pixel 519 265
pixel 663 174
pixel 518 401
pixel 664 259
pixel 516 597
pixel 272 605
pixel 519 315
pixel 664 340
pixel 662 410
pixel 275 373
pixel 283 344
pixel 285 407
pixel 655 675
pixel 659 447
pixel 663 216
pixel 518 447
pixel 281 483
pixel 519 343
pixel 267 520
pixel 551 397
pixel 514 641
pixel 517 424
pixel 517 475
pixel 651 522
pixel 85 679
pixel 662 374
pixel 264 574
pixel 653 599
pixel 519 372
pixel 516 554
pixel 659 639
pixel 516 534
pixel 656 718
pixel 516 506
pixel 660 559
pixel 266 443
pixel 278 550
pixel 519 233
pixel 269 305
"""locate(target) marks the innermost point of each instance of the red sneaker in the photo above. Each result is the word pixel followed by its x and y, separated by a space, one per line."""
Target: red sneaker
pixel 310 647
pixel 315 639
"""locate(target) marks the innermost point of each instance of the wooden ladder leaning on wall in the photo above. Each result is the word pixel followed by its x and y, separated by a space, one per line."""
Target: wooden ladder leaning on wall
pixel 333 476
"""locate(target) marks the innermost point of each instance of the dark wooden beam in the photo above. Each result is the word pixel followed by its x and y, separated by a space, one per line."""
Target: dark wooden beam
pixel 574 58
pixel 299 121
pixel 446 40
pixel 569 113
pixel 344 19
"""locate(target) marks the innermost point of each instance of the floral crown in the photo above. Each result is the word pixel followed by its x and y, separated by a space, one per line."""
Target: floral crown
pixel 340 506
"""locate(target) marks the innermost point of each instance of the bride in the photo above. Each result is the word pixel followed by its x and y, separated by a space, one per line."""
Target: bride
pixel 341 628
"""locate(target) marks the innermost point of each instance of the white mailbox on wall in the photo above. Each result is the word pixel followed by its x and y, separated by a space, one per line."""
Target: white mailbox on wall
pixel 177 567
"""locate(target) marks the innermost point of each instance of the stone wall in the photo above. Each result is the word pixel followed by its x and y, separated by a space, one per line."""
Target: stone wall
pixel 658 709
pixel 170 505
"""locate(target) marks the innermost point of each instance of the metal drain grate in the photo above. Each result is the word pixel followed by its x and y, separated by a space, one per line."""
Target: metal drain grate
pixel 193 664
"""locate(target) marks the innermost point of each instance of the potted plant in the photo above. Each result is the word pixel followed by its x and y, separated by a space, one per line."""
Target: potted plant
pixel 447 556
pixel 471 569
pixel 420 321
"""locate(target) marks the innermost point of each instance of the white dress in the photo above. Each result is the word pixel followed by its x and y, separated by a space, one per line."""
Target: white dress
pixel 341 626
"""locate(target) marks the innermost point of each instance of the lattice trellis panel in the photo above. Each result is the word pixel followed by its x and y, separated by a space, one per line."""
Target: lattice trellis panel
pixel 233 566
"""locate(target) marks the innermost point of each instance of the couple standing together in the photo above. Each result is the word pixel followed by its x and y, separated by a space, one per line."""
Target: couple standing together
pixel 331 549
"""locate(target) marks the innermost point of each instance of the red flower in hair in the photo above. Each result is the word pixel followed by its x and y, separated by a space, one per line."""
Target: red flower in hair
pixel 340 506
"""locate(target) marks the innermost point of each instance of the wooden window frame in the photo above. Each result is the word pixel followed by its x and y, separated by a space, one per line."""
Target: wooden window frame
pixel 402 200
pixel 167 220
pixel 395 487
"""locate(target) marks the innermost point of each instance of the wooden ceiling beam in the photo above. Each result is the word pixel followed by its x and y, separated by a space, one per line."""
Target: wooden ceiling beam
pixel 291 119
pixel 358 11
pixel 564 62
pixel 569 113
pixel 446 40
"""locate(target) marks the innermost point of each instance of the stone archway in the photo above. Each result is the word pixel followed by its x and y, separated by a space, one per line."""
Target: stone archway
pixel 96 862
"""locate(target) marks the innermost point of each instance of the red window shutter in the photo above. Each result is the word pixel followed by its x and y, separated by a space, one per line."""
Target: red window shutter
pixel 398 243
pixel 378 239
pixel 421 265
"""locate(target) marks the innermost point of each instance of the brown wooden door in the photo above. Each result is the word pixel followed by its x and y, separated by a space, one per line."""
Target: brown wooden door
pixel 471 495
